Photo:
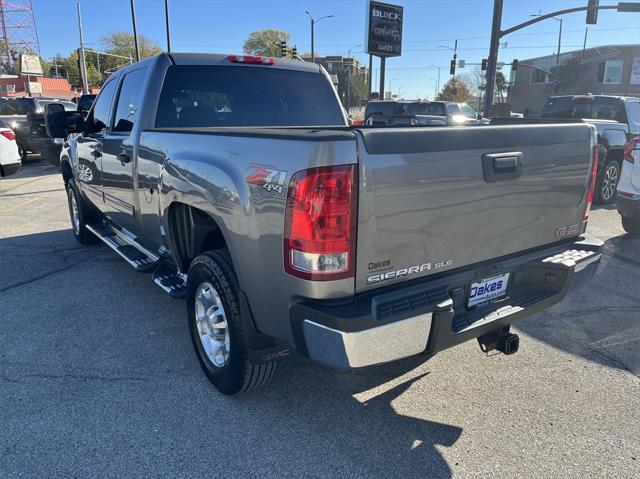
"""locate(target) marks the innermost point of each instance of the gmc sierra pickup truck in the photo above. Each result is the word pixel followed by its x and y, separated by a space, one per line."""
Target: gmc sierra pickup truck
pixel 237 183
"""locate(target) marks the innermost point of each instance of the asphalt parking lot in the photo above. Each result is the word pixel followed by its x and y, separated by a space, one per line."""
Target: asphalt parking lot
pixel 98 378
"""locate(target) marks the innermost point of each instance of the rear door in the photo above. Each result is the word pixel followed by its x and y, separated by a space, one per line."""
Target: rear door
pixel 443 198
pixel 118 151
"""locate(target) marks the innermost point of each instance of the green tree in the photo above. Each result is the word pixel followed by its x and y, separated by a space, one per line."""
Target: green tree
pixel 502 85
pixel 265 42
pixel 462 93
pixel 358 88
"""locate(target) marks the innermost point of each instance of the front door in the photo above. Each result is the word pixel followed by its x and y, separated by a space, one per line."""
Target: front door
pixel 118 153
pixel 88 172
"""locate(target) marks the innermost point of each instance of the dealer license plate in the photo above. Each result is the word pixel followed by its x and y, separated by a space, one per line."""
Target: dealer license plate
pixel 488 289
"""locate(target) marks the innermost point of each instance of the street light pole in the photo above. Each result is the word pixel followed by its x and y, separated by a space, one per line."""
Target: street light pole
pixel 349 74
pixel 438 68
pixel 556 77
pixel 313 22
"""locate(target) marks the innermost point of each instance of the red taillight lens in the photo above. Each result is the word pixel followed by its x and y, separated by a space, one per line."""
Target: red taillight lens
pixel 9 135
pixel 320 222
pixel 252 59
pixel 592 183
pixel 632 151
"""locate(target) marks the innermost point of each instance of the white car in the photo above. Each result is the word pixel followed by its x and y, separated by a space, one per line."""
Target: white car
pixel 628 197
pixel 10 161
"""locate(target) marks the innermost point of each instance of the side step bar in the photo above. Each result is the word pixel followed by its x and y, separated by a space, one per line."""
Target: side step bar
pixel 172 281
pixel 125 244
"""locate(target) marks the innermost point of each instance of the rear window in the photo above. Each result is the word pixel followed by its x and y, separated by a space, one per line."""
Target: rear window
pixel 215 96
pixel 435 109
pixel 599 108
pixel 387 108
pixel 13 107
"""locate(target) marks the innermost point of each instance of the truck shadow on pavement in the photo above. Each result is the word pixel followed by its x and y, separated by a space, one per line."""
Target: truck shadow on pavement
pixel 600 321
pixel 108 356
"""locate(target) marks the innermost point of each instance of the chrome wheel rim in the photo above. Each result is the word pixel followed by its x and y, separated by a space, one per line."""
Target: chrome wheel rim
pixel 73 210
pixel 84 173
pixel 609 182
pixel 212 325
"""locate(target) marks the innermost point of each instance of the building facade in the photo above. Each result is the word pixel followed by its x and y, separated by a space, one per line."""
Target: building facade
pixel 608 70
pixel 336 63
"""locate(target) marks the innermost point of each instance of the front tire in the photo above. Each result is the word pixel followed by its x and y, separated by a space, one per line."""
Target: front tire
pixel 608 182
pixel 215 325
pixel 78 213
pixel 631 226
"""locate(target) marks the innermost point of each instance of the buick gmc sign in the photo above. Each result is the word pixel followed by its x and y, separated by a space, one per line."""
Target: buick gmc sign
pixel 384 29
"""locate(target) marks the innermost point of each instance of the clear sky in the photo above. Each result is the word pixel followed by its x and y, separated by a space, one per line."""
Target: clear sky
pixel 222 25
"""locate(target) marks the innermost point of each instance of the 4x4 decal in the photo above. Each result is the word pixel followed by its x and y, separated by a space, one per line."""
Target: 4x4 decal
pixel 267 177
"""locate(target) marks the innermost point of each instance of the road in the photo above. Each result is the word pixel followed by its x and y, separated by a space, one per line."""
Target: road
pixel 98 378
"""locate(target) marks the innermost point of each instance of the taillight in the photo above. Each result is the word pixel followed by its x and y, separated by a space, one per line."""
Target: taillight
pixel 252 59
pixel 8 134
pixel 632 151
pixel 320 223
pixel 592 183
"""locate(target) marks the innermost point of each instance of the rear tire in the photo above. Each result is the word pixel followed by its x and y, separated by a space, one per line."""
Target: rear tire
pixel 78 213
pixel 631 226
pixel 215 325
pixel 607 182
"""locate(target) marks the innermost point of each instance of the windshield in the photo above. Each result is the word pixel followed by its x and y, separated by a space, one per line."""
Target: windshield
pixel 68 106
pixel 210 96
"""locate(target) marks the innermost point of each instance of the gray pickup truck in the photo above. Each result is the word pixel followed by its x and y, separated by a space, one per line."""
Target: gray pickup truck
pixel 237 183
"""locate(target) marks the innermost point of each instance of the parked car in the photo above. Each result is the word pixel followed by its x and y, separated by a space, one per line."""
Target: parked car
pixel 388 113
pixel 237 183
pixel 25 116
pixel 617 119
pixel 420 113
pixel 628 196
pixel 10 161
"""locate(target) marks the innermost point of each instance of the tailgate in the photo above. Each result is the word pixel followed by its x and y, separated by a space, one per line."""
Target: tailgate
pixel 434 199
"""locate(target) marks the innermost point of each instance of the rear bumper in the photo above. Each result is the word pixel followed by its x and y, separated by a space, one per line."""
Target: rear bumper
pixel 431 316
pixel 628 206
pixel 10 168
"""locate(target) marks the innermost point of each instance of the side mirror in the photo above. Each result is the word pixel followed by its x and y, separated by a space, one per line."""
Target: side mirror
pixel 479 116
pixel 55 120
pixel 76 124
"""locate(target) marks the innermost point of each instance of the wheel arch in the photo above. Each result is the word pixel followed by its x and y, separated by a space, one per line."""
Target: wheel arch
pixel 191 231
pixel 65 167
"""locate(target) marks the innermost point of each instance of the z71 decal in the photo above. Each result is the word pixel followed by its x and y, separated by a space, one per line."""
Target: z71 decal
pixel 267 177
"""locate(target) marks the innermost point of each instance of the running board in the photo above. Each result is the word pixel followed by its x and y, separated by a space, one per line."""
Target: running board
pixel 172 281
pixel 125 244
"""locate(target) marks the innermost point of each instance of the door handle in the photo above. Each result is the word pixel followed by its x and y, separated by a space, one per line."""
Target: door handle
pixel 124 158
pixel 501 166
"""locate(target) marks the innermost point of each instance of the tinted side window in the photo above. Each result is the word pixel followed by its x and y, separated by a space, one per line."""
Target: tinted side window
pixel 129 100
pixel 608 109
pixel 99 118
pixel 12 107
pixel 558 108
pixel 633 110
pixel 210 96
pixel 452 109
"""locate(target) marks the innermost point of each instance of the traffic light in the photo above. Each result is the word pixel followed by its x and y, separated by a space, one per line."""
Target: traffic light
pixel 592 13
pixel 294 51
pixel 452 69
pixel 514 65
pixel 283 48
pixel 485 64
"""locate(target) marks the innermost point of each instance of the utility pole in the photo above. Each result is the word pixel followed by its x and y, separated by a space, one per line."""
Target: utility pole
pixel 369 76
pixel 492 63
pixel 382 71
pixel 166 19
pixel 135 30
pixel 83 60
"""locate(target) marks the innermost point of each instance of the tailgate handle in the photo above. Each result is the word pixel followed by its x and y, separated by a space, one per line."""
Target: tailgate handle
pixel 501 166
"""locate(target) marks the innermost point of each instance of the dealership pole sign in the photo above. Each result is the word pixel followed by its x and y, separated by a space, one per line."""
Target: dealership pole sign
pixel 384 29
